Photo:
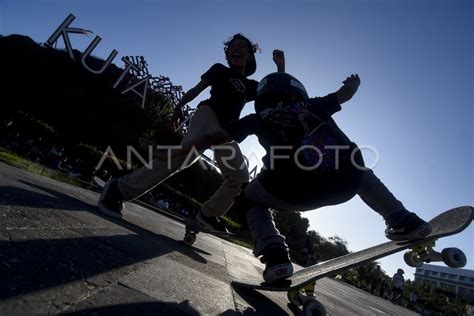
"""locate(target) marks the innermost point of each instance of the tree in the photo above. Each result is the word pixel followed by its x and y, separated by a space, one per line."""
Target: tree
pixel 70 105
pixel 438 300
pixel 293 227
pixel 363 274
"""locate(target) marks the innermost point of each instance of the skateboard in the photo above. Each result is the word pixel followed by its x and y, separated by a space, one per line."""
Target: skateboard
pixel 300 286
pixel 193 228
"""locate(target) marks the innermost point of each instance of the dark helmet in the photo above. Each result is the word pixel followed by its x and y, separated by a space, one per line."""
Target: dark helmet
pixel 278 87
pixel 251 66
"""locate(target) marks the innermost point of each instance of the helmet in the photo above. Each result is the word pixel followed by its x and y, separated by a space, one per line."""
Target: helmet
pixel 400 271
pixel 278 87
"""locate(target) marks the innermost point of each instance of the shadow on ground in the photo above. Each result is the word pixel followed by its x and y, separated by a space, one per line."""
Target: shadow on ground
pixel 33 258
pixel 152 308
pixel 259 302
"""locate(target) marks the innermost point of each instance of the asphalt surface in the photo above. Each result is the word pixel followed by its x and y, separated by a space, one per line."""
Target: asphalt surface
pixel 59 255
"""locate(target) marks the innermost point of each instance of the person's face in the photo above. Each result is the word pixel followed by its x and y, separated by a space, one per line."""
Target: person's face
pixel 238 53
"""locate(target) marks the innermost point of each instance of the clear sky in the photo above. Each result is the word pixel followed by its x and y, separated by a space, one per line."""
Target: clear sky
pixel 414 106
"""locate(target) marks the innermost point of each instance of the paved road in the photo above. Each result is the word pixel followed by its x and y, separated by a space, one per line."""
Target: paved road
pixel 59 255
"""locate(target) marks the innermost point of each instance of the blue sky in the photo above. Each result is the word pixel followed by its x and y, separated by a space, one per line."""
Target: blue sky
pixel 414 105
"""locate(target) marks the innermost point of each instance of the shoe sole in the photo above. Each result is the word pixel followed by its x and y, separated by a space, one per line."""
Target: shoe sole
pixel 279 272
pixel 420 233
pixel 104 210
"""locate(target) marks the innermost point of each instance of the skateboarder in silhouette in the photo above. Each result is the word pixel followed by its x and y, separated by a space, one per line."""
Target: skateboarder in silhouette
pixel 375 278
pixel 230 90
pixel 310 163
pixel 397 285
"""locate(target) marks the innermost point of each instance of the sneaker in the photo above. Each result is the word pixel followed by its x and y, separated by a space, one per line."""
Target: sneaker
pixel 411 227
pixel 210 223
pixel 277 263
pixel 111 200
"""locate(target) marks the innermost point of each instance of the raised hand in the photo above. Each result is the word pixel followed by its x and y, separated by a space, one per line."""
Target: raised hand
pixel 353 82
pixel 348 89
pixel 279 59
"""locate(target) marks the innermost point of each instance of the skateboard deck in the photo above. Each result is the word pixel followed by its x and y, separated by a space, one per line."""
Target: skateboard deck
pixel 448 223
pixel 193 228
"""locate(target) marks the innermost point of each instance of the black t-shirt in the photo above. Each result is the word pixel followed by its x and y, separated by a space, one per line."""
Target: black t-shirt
pixel 230 90
pixel 309 160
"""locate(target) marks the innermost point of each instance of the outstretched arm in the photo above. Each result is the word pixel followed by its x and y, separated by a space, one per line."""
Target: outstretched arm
pixel 192 93
pixel 348 89
pixel 279 59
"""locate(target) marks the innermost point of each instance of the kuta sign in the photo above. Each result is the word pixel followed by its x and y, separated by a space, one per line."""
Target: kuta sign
pixel 64 30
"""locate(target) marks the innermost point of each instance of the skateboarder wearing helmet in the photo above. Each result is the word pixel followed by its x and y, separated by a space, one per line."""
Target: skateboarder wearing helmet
pixel 310 163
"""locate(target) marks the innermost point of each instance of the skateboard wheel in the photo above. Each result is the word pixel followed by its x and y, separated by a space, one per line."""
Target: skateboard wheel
pixel 189 239
pixel 454 257
pixel 313 308
pixel 412 259
pixel 293 297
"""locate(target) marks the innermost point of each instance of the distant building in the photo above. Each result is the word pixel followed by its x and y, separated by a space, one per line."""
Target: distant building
pixel 459 281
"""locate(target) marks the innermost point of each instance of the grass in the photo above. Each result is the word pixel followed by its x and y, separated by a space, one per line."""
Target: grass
pixel 241 242
pixel 10 157
pixel 14 160
pixel 241 238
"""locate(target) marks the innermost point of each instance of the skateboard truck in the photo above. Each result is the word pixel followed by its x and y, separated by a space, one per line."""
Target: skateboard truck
pixel 452 257
pixel 305 297
pixel 193 228
pixel 190 235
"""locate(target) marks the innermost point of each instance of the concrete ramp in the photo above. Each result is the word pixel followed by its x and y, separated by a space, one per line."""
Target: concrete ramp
pixel 59 255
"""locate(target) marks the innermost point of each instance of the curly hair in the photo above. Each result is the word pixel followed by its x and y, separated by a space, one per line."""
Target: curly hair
pixel 253 48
